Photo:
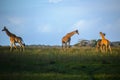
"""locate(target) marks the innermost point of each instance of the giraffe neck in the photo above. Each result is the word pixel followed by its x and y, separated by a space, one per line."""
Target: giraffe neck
pixel 8 33
pixel 71 34
pixel 103 37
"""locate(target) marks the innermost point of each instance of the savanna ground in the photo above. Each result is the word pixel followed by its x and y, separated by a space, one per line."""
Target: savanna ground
pixel 37 63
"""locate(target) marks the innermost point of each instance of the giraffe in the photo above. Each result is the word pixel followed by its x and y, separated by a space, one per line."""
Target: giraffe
pixel 99 46
pixel 104 42
pixel 67 38
pixel 14 39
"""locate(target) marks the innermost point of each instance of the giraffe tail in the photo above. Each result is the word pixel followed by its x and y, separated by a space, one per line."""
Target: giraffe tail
pixel 23 43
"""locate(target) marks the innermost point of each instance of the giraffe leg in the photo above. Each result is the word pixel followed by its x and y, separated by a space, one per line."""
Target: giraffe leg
pixel 11 45
pixel 66 45
pixel 63 44
pixel 69 44
pixel 110 49
pixel 15 46
pixel 106 49
pixel 97 48
pixel 21 46
pixel 101 48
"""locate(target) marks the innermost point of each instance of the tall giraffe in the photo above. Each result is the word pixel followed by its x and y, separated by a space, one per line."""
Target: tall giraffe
pixel 67 38
pixel 105 42
pixel 14 39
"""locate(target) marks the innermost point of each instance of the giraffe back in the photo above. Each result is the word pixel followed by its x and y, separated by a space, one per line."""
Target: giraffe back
pixel 105 42
pixel 67 37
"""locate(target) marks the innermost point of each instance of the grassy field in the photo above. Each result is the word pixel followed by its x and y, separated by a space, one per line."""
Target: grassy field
pixel 57 64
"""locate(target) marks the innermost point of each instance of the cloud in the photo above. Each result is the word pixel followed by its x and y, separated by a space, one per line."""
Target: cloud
pixel 55 1
pixel 79 25
pixel 112 31
pixel 16 20
pixel 93 26
pixel 48 28
pixel 86 24
pixel 88 28
pixel 44 29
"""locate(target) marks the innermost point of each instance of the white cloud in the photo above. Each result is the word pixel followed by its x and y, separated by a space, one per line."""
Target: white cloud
pixel 48 28
pixel 16 20
pixel 93 27
pixel 79 25
pixel 86 24
pixel 87 27
pixel 55 1
pixel 44 29
pixel 16 25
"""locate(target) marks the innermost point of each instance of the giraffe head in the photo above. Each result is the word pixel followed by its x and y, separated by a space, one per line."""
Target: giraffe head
pixel 102 34
pixel 4 29
pixel 76 31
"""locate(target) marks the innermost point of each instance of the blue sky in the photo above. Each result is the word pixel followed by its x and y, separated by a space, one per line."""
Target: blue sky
pixel 47 21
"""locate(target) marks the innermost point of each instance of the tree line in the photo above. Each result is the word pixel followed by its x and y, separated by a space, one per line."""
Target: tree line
pixel 92 43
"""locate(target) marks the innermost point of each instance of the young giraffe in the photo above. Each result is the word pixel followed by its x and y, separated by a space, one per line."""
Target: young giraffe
pixel 67 38
pixel 105 42
pixel 14 39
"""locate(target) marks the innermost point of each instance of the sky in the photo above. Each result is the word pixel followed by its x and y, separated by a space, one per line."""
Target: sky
pixel 45 22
